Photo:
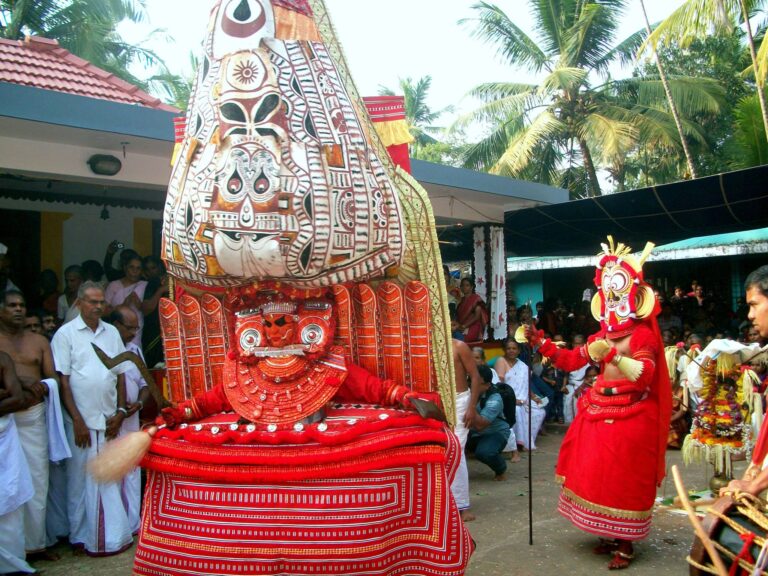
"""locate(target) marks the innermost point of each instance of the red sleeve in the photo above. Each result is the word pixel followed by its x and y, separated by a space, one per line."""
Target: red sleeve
pixel 362 386
pixel 211 402
pixel 567 360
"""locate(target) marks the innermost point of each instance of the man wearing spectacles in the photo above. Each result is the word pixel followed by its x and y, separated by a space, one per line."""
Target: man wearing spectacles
pixel 136 394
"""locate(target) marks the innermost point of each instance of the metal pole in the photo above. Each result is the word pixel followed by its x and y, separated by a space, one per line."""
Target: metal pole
pixel 530 454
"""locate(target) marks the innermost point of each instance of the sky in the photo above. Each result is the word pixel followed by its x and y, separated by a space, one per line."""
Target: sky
pixel 386 41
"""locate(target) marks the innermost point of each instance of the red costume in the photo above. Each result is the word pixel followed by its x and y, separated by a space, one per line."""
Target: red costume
pixel 612 457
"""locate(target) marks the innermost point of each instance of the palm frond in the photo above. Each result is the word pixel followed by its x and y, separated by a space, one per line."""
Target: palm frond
pixel 691 95
pixel 494 27
pixel 483 154
pixel 520 150
pixel 591 36
pixel 624 53
pixel 607 137
pixel 749 134
pixel 500 110
pixel 563 79
pixel 694 19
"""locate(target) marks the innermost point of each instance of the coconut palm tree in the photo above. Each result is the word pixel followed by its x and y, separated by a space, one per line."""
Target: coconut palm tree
pixel 87 28
pixel 672 105
pixel 573 118
pixel 697 18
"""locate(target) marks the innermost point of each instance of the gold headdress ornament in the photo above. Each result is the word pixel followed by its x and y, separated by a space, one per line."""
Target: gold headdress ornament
pixel 622 296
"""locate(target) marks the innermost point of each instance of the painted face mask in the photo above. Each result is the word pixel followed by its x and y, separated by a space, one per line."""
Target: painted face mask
pixel 622 296
pixel 283 365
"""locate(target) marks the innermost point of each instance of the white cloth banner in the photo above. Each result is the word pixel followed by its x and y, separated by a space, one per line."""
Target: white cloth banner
pixel 498 303
pixel 481 282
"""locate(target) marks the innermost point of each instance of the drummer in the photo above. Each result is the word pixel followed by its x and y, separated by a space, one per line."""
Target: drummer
pixel 755 478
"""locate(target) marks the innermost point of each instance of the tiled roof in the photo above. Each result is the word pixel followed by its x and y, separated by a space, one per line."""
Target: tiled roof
pixel 41 63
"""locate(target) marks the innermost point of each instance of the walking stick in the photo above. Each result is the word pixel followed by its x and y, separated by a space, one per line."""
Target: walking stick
pixel 530 453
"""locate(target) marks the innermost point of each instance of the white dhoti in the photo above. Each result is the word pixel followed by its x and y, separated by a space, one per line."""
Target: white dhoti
pixel 33 435
pixel 521 425
pixel 569 404
pixel 97 517
pixel 460 484
pixel 15 490
pixel 511 441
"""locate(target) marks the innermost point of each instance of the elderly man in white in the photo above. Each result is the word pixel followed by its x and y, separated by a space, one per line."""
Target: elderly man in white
pixel 94 398
pixel 136 394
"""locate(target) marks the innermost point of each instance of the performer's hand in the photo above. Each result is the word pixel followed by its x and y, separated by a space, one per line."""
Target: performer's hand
pixel 533 336
pixel 599 349
pixel 171 416
pixel 82 434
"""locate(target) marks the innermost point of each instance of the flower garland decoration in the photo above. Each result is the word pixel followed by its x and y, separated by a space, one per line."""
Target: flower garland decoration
pixel 721 424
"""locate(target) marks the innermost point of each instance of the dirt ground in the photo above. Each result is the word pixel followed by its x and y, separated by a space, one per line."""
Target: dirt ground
pixel 501 528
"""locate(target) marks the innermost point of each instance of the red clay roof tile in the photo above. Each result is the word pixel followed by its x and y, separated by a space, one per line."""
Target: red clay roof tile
pixel 42 63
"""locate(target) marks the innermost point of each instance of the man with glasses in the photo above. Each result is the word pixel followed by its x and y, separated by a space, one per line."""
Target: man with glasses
pixel 94 398
pixel 136 394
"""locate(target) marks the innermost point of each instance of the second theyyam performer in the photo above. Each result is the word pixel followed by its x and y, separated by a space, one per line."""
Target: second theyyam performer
pixel 309 318
pixel 612 457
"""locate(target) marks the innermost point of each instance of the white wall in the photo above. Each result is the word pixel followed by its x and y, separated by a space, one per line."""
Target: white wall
pixel 86 235
pixel 69 162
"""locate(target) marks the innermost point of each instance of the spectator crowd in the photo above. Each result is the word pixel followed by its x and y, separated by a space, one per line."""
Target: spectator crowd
pixel 59 403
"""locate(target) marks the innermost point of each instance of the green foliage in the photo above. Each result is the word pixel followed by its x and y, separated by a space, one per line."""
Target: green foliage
pixel 749 146
pixel 88 29
pixel 567 127
pixel 720 60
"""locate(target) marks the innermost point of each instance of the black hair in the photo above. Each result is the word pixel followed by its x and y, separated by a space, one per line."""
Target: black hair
pixel 758 279
pixel 92 270
pixel 485 373
pixel 13 292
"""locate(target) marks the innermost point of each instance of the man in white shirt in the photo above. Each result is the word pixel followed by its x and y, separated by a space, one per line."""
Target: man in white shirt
pixel 94 398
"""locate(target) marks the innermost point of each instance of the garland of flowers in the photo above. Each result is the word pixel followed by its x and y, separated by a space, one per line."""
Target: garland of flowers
pixel 721 424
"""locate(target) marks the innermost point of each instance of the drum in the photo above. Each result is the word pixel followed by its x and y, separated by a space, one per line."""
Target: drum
pixel 737 525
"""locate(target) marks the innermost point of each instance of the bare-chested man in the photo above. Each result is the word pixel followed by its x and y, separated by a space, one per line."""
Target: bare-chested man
pixel 15 481
pixel 33 361
pixel 466 400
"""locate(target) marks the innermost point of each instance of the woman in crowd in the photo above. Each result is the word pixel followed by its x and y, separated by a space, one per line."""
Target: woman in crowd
pixel 129 291
pixel 471 313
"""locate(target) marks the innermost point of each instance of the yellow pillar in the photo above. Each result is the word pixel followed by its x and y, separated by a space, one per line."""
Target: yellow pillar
pixel 142 236
pixel 52 241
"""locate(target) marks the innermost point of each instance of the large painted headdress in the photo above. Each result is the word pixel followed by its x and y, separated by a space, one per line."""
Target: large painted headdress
pixel 276 178
pixel 622 296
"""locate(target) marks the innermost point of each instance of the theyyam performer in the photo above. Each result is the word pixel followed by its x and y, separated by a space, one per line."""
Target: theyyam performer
pixel 612 457
pixel 307 342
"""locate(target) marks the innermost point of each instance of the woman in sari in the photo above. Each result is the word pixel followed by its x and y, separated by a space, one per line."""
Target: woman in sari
pixel 471 313
pixel 128 291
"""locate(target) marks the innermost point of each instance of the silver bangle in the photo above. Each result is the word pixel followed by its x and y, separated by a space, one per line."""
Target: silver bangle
pixel 123 410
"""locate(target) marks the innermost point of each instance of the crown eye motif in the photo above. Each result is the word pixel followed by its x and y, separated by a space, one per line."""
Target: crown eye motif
pixel 250 338
pixel 312 334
